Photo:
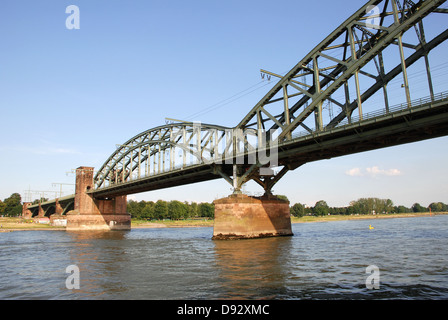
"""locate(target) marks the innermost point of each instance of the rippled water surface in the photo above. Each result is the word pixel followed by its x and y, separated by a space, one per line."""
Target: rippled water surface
pixel 321 261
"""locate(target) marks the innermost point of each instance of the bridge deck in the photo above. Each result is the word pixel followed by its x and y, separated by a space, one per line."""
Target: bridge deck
pixel 62 201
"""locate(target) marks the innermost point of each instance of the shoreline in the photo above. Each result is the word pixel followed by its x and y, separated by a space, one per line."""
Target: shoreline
pixel 294 220
pixel 310 219
pixel 17 224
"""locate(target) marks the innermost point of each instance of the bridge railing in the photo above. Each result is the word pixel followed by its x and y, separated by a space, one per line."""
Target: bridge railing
pixel 378 114
pixel 396 108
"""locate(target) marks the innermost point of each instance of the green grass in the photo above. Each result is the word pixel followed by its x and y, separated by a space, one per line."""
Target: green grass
pixel 173 223
pixel 359 217
pixel 8 223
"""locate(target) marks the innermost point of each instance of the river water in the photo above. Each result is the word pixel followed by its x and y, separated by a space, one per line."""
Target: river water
pixel 321 261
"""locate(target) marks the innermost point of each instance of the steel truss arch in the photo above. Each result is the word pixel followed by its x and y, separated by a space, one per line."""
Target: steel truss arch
pixel 149 152
pixel 353 50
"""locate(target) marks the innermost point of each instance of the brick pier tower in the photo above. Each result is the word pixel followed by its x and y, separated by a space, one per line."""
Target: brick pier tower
pixel 96 214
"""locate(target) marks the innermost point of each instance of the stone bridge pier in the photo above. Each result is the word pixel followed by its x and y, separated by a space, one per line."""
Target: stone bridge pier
pixel 239 216
pixel 96 214
pixel 243 217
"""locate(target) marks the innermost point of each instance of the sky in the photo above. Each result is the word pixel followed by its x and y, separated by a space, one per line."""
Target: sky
pixel 68 96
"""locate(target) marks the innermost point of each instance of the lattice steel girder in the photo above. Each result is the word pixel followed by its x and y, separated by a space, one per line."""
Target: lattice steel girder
pixel 149 149
pixel 385 78
pixel 361 45
pixel 149 152
pixel 427 121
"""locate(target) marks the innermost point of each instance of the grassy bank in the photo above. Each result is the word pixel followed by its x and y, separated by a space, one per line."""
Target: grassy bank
pixel 172 223
pixel 19 224
pixel 305 219
pixel 360 217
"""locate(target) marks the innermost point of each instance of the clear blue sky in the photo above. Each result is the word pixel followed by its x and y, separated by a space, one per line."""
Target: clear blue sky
pixel 67 97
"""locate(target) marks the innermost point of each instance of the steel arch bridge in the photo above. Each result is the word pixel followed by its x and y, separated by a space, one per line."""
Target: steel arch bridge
pixel 350 70
pixel 150 152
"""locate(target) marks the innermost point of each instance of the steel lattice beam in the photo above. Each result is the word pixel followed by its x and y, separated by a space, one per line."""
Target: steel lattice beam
pixel 360 46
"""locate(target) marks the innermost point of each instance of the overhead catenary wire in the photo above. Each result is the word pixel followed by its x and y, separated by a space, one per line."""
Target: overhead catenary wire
pixel 261 84
pixel 231 99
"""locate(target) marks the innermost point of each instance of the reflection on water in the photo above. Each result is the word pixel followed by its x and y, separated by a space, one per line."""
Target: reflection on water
pixel 100 258
pixel 252 268
pixel 321 261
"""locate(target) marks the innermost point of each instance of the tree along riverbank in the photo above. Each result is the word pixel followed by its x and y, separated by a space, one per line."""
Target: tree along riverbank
pixel 18 224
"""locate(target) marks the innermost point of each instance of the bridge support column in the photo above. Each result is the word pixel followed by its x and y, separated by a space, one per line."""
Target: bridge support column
pixel 41 213
pixel 57 219
pixel 242 217
pixel 26 213
pixel 96 214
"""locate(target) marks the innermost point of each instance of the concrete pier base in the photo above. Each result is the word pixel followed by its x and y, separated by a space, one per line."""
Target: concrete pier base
pixel 58 220
pixel 242 217
pixel 86 222
pixel 108 214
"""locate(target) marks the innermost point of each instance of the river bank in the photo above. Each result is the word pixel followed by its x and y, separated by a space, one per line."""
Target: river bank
pixel 8 224
pixel 305 219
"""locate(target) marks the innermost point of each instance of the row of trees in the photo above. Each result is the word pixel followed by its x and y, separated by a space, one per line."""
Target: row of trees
pixel 364 206
pixel 173 210
pixel 11 206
